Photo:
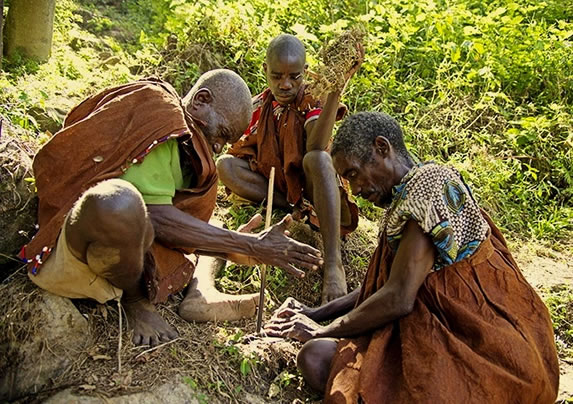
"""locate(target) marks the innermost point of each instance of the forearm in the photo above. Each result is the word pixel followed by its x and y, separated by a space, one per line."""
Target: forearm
pixel 176 228
pixel 335 308
pixel 379 309
pixel 319 136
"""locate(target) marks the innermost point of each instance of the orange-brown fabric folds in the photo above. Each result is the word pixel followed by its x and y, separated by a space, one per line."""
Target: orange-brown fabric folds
pixel 478 333
pixel 100 139
pixel 279 145
pixel 283 144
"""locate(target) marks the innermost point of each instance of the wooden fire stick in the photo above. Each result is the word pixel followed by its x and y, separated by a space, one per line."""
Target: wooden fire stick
pixel 270 192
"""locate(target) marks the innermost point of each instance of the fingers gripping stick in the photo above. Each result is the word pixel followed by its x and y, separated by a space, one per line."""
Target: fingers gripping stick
pixel 264 267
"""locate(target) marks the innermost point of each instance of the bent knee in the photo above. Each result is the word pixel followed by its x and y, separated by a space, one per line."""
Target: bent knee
pixel 225 165
pixel 114 197
pixel 314 361
pixel 316 160
pixel 229 168
pixel 111 206
pixel 313 355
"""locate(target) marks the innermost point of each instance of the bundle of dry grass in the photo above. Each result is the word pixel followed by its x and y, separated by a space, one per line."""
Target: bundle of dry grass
pixel 337 57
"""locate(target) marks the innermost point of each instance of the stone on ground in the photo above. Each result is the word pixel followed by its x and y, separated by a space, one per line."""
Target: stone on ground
pixel 43 336
pixel 169 393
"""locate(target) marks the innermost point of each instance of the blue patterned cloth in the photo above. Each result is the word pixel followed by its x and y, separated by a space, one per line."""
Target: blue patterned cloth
pixel 437 198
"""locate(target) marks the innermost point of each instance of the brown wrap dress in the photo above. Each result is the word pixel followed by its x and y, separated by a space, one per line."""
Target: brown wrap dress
pixel 100 139
pixel 478 332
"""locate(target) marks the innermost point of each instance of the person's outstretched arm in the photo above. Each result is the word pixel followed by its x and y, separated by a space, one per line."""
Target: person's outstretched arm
pixel 329 311
pixel 178 229
pixel 413 262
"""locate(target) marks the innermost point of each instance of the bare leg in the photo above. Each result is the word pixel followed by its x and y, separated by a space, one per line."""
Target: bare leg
pixel 238 177
pixel 204 302
pixel 314 361
pixel 323 191
pixel 109 230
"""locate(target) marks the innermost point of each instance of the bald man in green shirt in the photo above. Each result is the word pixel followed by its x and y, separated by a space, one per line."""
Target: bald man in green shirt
pixel 127 188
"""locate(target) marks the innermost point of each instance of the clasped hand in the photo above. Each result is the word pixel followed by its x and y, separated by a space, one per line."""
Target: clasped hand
pixel 292 320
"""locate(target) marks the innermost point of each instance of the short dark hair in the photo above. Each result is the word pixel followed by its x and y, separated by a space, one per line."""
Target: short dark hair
pixel 286 44
pixel 357 133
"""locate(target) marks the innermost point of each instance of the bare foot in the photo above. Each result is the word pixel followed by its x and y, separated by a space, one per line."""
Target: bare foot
pixel 149 328
pixel 212 305
pixel 334 283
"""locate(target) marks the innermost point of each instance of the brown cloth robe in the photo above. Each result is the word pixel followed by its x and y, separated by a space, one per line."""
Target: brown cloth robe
pixel 478 333
pixel 100 139
pixel 283 144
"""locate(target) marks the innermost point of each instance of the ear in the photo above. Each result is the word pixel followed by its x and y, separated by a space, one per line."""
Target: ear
pixel 265 68
pixel 382 146
pixel 202 96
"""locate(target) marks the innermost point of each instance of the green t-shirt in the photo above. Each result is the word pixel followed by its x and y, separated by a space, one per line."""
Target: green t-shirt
pixel 159 175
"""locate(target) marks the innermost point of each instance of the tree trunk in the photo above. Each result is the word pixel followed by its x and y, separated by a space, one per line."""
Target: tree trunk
pixel 29 28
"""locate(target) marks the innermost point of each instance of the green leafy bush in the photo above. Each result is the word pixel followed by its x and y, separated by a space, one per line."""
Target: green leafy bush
pixel 483 85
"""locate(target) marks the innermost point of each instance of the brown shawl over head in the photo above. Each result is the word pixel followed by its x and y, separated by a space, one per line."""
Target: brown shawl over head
pixel 100 139
pixel 478 333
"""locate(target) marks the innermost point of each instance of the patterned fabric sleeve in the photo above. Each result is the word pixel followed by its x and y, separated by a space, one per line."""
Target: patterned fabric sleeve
pixel 440 202
pixel 311 115
pixel 257 104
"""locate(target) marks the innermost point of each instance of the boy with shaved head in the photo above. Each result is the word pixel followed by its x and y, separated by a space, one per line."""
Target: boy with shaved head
pixel 126 189
pixel 290 130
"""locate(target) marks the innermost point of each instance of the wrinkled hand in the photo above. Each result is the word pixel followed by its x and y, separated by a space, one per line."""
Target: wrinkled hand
pixel 296 326
pixel 290 307
pixel 274 247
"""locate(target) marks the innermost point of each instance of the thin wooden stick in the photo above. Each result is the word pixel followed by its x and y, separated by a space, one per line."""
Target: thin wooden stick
pixel 270 193
pixel 157 347
pixel 119 343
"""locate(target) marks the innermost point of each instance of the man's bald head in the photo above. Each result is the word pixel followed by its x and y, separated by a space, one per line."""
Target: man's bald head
pixel 221 101
pixel 286 45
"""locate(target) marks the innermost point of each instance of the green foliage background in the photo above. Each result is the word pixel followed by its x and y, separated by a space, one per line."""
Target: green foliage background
pixel 485 85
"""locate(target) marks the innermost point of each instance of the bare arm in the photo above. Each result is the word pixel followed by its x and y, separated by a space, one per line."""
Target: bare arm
pixel 176 228
pixel 413 262
pixel 331 310
pixel 319 131
pixel 336 307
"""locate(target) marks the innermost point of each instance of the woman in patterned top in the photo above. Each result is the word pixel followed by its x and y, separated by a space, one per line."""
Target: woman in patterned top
pixel 444 313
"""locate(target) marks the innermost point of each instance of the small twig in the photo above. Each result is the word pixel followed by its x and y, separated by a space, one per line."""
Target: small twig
pixel 10 257
pixel 5 282
pixel 270 193
pixel 119 308
pixel 157 347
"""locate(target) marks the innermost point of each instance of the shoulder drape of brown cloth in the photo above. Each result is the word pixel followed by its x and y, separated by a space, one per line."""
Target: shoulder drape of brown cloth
pixel 264 147
pixel 100 139
pixel 283 144
pixel 478 333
